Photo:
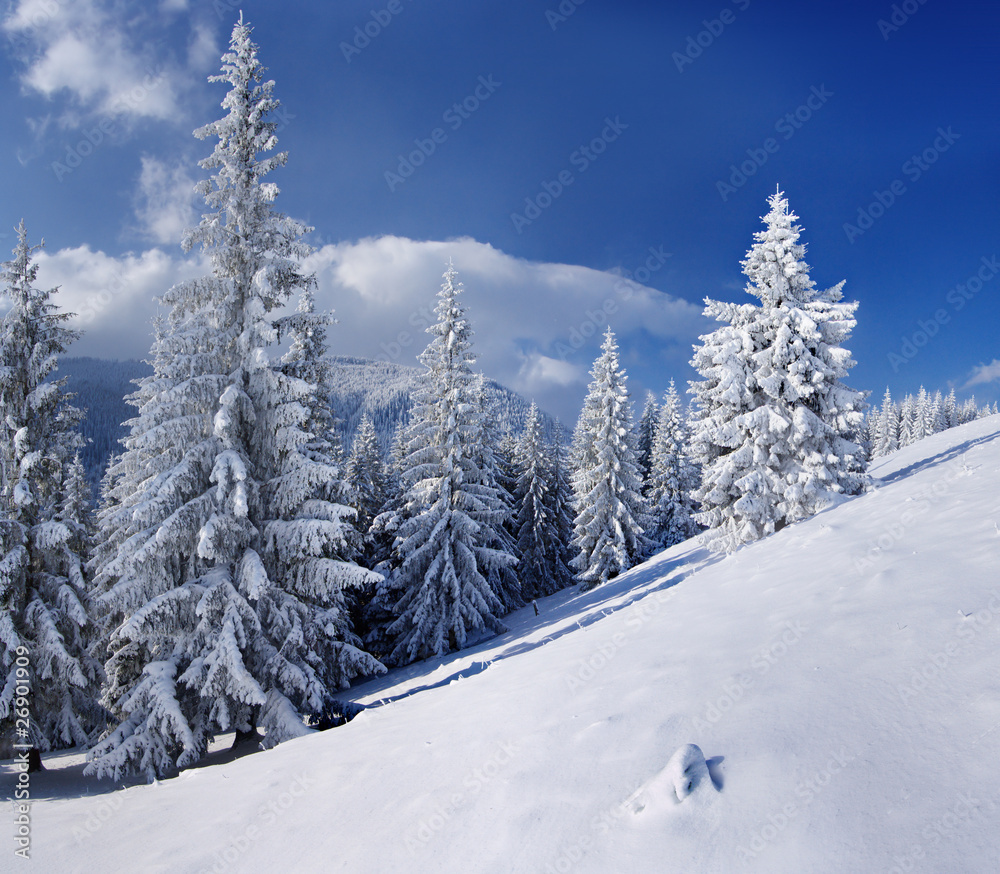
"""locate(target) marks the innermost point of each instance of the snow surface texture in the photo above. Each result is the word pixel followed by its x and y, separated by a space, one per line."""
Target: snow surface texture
pixel 840 676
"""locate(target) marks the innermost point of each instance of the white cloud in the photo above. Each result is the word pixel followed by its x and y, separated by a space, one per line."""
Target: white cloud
pixel 30 15
pixel 984 373
pixel 203 48
pixel 106 64
pixel 112 298
pixel 544 372
pixel 165 201
pixel 538 325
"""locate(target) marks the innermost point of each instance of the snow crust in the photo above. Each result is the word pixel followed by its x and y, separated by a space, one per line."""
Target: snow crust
pixel 840 678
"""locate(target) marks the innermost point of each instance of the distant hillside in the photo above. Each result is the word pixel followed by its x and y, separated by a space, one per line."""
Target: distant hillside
pixel 101 386
pixel 383 391
pixel 360 386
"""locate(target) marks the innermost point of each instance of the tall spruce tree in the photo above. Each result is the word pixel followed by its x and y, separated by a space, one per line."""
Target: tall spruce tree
pixel 921 416
pixel 887 432
pixel 225 599
pixel 559 499
pixel 870 432
pixel 908 426
pixel 441 563
pixel 646 435
pixel 45 615
pixel 672 478
pixel 541 551
pixel 504 454
pixel 950 410
pixel 376 609
pixel 495 521
pixel 934 420
pixel 611 513
pixel 773 433
pixel 969 411
pixel 366 474
pixel 311 542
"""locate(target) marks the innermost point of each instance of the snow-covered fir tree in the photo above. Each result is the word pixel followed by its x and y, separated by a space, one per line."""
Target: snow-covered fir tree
pixel 376 610
pixel 559 498
pixel 921 417
pixel 225 597
pixel 887 430
pixel 775 418
pixel 147 456
pixel 611 515
pixel 383 528
pixel 45 616
pixel 311 542
pixel 950 410
pixel 504 454
pixel 495 520
pixel 366 475
pixel 908 421
pixel 440 562
pixel 541 550
pixel 673 477
pixel 969 411
pixel 870 431
pixel 934 414
pixel 646 435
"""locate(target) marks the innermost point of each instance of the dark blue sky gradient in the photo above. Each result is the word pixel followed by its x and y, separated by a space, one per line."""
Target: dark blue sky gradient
pixel 656 183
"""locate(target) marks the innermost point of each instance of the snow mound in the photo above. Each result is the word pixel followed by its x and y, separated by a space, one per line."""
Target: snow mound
pixel 686 772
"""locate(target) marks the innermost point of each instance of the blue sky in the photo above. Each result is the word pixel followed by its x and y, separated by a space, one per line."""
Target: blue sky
pixel 563 145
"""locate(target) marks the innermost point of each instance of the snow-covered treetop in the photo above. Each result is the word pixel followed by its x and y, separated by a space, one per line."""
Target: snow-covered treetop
pixel 37 422
pixel 245 131
pixel 453 333
pixel 775 264
pixel 251 244
pixel 32 313
pixel 19 273
pixel 607 370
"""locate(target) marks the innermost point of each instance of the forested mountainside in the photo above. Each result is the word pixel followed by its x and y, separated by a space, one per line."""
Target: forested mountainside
pixel 382 390
pixel 101 386
pixel 360 386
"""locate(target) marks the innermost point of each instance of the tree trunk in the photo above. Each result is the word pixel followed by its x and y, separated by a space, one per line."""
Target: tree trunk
pixel 35 760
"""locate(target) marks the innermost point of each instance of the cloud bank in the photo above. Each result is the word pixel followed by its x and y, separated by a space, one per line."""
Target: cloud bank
pixel 538 326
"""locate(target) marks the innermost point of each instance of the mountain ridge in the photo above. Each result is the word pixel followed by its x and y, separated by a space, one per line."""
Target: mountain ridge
pixel 359 386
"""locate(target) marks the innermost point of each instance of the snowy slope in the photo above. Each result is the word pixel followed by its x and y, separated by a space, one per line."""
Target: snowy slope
pixel 841 677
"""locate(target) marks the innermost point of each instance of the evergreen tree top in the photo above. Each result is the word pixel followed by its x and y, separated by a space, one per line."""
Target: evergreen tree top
pixel 19 273
pixel 244 232
pixel 607 362
pixel 249 101
pixel 775 264
pixel 32 332
pixel 452 332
